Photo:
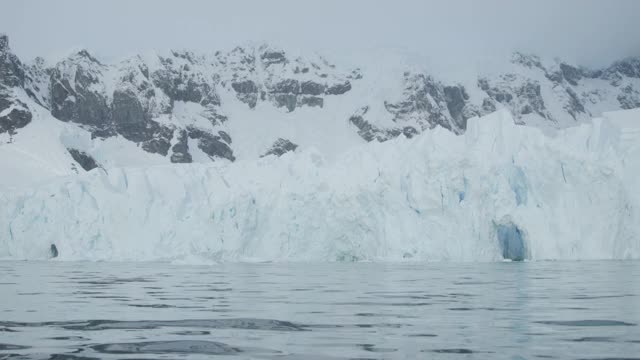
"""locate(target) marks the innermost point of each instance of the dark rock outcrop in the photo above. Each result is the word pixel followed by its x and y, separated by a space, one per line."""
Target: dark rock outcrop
pixel 181 83
pixel 74 92
pixel 488 106
pixel 338 89
pixel 288 86
pixel 429 103
pixel 132 122
pixel 85 160
pixel 526 60
pixel 314 101
pixel 366 130
pixel 571 74
pixel 181 149
pixel 18 117
pixel 290 101
pixel 280 147
pixel 369 132
pixel 629 98
pixel 128 115
pixel 456 98
pixel 291 84
pixel 574 107
pixel 522 96
pixel 629 67
pixel 16 114
pixel 212 145
pixel 273 57
pixel 312 88
pixel 225 137
pixel 247 92
pixel 160 139
pixel 11 69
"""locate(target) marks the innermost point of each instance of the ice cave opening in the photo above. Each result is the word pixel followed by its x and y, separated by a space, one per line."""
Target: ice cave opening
pixel 512 242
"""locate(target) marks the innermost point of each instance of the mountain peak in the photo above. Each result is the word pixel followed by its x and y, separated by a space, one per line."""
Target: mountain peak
pixel 628 67
pixel 4 42
pixel 528 60
pixel 85 54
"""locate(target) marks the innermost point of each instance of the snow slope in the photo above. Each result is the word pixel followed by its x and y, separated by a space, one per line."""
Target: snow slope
pixel 40 152
pixel 436 197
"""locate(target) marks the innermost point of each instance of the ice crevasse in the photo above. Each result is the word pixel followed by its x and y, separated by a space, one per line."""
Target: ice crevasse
pixel 498 191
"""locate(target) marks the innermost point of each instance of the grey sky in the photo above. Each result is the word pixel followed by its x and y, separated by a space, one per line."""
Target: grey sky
pixel 584 31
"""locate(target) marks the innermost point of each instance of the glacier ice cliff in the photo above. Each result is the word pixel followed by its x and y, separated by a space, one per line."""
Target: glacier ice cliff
pixel 436 197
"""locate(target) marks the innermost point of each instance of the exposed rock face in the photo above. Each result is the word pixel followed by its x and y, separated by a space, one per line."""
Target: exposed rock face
pixel 78 92
pixel 557 94
pixel 429 103
pixel 312 88
pixel 314 101
pixel 286 83
pixel 289 101
pixel 574 106
pixel 14 114
pixel 128 114
pixel 521 96
pixel 37 83
pixel 185 82
pixel 247 92
pixel 280 147
pixel 488 106
pixel 225 137
pixel 11 70
pixel 629 98
pixel 526 60
pixel 629 67
pixel 571 74
pixel 339 89
pixel 85 160
pixel 270 57
pixel 456 98
pixel 369 132
pixel 212 145
pixel 181 149
pixel 135 83
pixel 132 122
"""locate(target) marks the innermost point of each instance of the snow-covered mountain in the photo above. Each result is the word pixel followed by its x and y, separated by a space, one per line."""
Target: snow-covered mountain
pixel 79 113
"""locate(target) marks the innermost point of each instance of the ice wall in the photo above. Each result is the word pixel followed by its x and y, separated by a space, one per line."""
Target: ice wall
pixel 436 197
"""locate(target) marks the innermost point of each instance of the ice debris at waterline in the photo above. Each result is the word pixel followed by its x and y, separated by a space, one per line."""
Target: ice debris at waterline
pixel 498 191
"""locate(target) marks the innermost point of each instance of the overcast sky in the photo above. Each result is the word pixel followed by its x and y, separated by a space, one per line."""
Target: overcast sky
pixel 583 31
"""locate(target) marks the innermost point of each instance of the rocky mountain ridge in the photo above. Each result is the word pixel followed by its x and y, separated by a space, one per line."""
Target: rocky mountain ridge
pixel 183 103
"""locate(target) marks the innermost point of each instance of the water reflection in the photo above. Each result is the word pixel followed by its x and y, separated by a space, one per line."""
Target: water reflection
pixel 78 311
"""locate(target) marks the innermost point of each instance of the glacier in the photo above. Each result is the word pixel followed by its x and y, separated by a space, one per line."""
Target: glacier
pixel 572 194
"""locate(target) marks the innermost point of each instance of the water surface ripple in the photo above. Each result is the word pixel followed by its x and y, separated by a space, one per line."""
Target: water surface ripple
pixel 545 310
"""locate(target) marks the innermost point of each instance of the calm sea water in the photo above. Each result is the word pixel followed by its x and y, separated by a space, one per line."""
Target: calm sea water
pixel 548 310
